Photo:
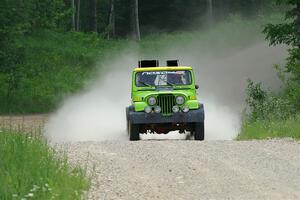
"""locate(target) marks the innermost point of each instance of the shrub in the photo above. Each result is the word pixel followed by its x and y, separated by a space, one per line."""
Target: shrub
pixel 264 105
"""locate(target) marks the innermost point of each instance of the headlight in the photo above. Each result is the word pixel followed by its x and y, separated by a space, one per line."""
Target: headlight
pixel 179 100
pixel 157 109
pixel 185 109
pixel 152 101
pixel 175 109
pixel 148 109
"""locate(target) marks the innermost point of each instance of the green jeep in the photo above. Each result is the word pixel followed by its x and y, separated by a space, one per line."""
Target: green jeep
pixel 163 100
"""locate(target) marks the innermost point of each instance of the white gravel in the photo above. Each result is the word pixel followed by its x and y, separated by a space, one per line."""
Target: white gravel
pixel 190 169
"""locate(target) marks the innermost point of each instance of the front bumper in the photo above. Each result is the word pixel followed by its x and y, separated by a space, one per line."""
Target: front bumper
pixel 192 116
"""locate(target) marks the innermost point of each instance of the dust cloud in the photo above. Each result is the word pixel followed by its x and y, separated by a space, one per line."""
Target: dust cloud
pixel 98 112
pixel 223 82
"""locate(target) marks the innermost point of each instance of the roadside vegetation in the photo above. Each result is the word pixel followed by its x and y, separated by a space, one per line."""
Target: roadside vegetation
pixel 269 115
pixel 271 129
pixel 51 69
pixel 60 65
pixel 29 169
pixel 277 114
pixel 49 49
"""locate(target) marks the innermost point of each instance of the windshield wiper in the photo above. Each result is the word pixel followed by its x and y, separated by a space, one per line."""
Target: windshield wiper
pixel 171 84
pixel 145 84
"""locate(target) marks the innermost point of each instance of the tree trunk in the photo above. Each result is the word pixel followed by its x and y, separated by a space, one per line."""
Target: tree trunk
pixel 111 21
pixel 136 23
pixel 210 16
pixel 95 17
pixel 78 15
pixel 73 15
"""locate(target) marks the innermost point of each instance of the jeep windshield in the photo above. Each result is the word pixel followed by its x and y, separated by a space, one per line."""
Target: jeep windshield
pixel 163 78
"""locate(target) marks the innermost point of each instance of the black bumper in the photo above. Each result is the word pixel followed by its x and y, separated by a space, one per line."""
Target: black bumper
pixel 192 116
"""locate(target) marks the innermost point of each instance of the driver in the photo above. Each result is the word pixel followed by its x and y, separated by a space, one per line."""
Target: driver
pixel 175 79
pixel 148 79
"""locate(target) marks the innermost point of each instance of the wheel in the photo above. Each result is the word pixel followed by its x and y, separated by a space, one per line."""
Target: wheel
pixel 134 133
pixel 188 136
pixel 199 131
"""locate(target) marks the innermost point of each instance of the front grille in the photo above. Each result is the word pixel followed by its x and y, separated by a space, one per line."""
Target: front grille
pixel 166 102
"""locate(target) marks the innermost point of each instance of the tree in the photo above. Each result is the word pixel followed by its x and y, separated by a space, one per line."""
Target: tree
pixel 210 11
pixel 136 23
pixel 95 17
pixel 78 15
pixel 111 21
pixel 73 14
pixel 289 33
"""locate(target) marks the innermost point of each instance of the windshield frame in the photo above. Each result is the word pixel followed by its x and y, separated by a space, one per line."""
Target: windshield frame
pixel 191 82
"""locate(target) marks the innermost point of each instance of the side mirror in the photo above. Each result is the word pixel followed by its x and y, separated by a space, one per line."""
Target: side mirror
pixel 196 87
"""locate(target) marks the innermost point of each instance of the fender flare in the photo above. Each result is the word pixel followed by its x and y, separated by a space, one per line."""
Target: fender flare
pixel 128 110
pixel 201 107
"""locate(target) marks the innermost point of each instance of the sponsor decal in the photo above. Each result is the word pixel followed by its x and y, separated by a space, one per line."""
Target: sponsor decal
pixel 163 73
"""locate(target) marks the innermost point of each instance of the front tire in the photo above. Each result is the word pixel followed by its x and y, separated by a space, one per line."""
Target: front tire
pixel 134 133
pixel 199 131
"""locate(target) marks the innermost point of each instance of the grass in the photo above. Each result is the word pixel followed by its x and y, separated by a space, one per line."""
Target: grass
pixel 29 169
pixel 271 129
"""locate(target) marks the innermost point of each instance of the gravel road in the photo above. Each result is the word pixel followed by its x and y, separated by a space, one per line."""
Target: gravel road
pixel 189 169
pixel 178 169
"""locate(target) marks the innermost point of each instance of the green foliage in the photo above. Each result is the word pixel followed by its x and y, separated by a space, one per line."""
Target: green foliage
pixel 284 33
pixel 275 128
pixel 263 105
pixel 293 82
pixel 278 115
pixel 51 69
pixel 41 61
pixel 269 115
pixel 29 169
pixel 281 34
pixel 25 16
pixel 17 20
pixel 58 66
pixel 287 33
